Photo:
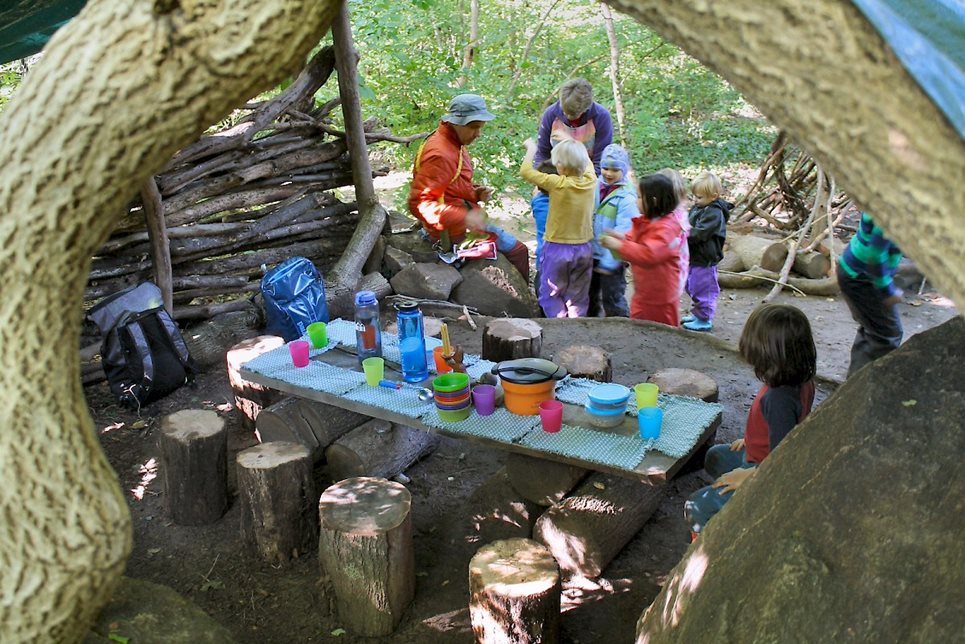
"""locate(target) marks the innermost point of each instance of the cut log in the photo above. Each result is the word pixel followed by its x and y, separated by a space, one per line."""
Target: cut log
pixel 812 264
pixel 685 382
pixel 211 340
pixel 366 553
pixel 584 361
pixel 587 530
pixel 378 448
pixel 514 588
pixel 497 511
pixel 283 422
pixel 250 398
pixel 732 262
pixel 194 444
pixel 511 338
pixel 328 422
pixel 277 499
pixel 758 251
pixel 540 481
pixel 757 276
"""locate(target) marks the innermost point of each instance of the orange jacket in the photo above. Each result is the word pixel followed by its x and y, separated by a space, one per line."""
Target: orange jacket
pixel 442 191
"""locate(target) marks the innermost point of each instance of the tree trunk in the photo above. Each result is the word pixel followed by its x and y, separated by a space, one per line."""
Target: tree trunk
pixel 469 52
pixel 877 133
pixel 152 78
pixel 158 235
pixel 614 71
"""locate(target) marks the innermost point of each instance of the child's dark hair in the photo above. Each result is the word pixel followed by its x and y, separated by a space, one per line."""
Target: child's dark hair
pixel 657 195
pixel 778 344
pixel 546 167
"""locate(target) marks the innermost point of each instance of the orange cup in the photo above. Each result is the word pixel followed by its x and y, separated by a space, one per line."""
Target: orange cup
pixel 441 366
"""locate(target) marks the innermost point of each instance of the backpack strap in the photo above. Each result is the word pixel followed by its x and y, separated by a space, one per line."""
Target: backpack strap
pixel 136 334
pixel 176 340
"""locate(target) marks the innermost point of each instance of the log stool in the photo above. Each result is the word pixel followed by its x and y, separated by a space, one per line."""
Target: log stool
pixel 685 382
pixel 277 499
pixel 540 481
pixel 511 338
pixel 194 446
pixel 312 424
pixel 514 593
pixel 378 448
pixel 584 361
pixel 366 553
pixel 250 398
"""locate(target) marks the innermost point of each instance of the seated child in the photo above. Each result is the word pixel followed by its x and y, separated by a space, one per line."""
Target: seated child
pixel 708 229
pixel 777 343
pixel 566 261
pixel 653 249
pixel 615 207
pixel 680 212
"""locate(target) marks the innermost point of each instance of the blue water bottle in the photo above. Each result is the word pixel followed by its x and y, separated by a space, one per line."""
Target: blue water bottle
pixel 368 335
pixel 412 342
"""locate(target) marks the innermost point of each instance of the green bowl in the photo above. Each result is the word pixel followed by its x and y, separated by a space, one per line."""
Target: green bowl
pixel 449 382
pixel 454 416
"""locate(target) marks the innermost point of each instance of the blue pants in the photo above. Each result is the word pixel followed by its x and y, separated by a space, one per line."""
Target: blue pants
pixel 879 325
pixel 708 501
pixel 608 293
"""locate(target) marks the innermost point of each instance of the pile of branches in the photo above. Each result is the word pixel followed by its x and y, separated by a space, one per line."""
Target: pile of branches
pixel 240 200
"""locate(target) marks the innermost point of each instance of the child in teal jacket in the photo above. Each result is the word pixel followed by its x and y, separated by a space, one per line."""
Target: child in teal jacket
pixel 615 207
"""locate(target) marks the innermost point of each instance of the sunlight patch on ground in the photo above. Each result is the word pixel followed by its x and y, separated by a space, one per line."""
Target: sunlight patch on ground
pixel 148 472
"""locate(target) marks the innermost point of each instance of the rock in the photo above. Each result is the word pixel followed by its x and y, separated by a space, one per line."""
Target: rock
pixel 495 288
pixel 851 529
pixel 426 281
pixel 412 243
pixel 394 260
pixel 145 612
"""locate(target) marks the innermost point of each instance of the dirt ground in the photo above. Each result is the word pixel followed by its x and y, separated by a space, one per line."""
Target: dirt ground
pixel 263 604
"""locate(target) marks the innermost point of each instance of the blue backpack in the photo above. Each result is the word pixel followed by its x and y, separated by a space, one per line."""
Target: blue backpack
pixel 294 296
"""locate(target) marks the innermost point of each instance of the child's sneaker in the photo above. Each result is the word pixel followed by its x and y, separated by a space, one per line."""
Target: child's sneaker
pixel 688 318
pixel 698 325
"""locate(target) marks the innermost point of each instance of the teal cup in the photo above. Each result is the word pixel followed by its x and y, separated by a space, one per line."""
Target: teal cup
pixel 650 420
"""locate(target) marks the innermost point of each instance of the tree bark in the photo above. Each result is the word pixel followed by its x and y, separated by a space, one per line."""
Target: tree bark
pixel 769 254
pixel 378 448
pixel 158 235
pixel 614 70
pixel 510 338
pixel 151 79
pixel 194 445
pixel 878 133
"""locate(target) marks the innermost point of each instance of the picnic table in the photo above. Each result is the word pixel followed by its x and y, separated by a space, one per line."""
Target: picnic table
pixel 333 377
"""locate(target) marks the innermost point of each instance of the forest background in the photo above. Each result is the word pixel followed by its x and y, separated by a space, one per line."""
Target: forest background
pixel 416 54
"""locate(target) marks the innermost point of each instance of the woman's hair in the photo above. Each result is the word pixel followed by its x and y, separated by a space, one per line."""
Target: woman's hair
pixel 657 195
pixel 570 155
pixel 679 185
pixel 576 96
pixel 778 344
pixel 706 185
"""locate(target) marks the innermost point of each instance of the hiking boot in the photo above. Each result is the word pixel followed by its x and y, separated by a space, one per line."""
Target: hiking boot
pixel 698 325
pixel 688 318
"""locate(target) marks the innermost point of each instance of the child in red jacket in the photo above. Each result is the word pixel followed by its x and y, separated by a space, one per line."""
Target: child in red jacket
pixel 652 247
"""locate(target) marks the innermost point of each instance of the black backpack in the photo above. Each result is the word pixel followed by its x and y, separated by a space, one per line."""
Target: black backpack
pixel 143 353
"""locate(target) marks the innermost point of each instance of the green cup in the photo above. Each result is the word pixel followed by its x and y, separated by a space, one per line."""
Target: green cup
pixel 374 369
pixel 318 335
pixel 646 393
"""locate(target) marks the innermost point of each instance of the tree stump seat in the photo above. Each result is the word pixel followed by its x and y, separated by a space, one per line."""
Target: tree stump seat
pixel 514 588
pixel 250 398
pixel 277 497
pixel 511 338
pixel 585 361
pixel 686 382
pixel 194 447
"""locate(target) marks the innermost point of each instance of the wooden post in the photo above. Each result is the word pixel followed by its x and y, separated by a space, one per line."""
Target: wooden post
pixel 157 232
pixel 277 498
pixel 588 529
pixel 510 338
pixel 366 553
pixel 686 382
pixel 194 445
pixel 514 588
pixel 378 448
pixel 250 398
pixel 584 361
pixel 540 481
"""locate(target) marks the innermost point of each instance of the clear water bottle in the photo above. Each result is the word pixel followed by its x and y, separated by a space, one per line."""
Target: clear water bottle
pixel 412 342
pixel 368 335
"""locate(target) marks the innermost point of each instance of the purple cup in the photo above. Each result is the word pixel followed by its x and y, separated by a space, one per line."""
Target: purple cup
pixel 299 351
pixel 484 399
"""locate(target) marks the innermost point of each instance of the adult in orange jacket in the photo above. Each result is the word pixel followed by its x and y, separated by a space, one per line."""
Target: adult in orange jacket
pixel 443 196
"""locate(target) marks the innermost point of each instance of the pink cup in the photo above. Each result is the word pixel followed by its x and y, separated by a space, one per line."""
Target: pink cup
pixel 299 351
pixel 551 414
pixel 484 399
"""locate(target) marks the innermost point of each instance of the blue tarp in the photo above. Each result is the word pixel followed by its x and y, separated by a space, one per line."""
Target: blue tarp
pixel 928 36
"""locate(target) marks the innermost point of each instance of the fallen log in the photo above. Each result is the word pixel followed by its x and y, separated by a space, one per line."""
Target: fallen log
pixel 758 251
pixel 759 277
pixel 812 264
pixel 378 448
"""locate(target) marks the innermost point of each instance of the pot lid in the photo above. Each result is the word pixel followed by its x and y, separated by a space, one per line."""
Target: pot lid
pixel 529 371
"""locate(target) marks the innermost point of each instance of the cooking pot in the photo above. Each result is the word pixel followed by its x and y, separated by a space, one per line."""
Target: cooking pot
pixel 528 382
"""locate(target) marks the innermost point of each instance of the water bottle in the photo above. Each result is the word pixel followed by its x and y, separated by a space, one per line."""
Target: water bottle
pixel 368 335
pixel 412 342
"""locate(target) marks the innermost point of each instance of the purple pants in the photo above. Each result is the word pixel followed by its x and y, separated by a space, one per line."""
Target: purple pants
pixel 565 271
pixel 703 289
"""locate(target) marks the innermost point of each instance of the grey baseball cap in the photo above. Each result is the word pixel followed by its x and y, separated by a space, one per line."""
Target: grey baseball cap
pixel 467 108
